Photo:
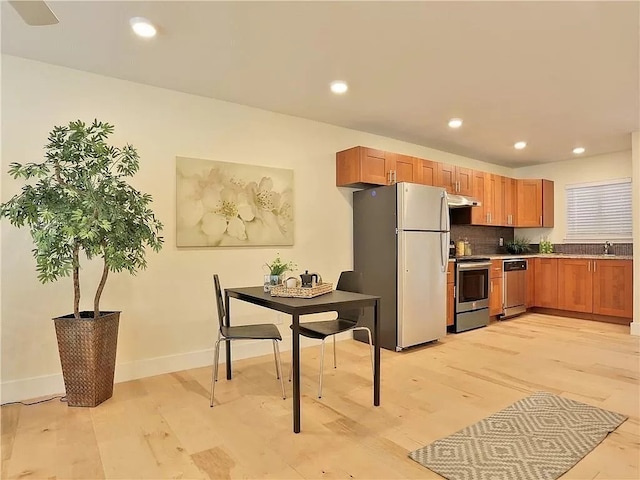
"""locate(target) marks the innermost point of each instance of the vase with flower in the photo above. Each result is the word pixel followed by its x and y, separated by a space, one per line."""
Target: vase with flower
pixel 277 268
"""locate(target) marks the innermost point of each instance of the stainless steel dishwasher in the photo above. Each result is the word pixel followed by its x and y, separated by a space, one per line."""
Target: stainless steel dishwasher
pixel 515 287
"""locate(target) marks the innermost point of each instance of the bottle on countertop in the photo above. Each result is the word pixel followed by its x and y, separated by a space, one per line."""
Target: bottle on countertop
pixel 459 248
pixel 467 247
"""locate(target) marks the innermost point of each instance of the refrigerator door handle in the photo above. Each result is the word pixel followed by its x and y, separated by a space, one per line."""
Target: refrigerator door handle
pixel 444 213
pixel 444 251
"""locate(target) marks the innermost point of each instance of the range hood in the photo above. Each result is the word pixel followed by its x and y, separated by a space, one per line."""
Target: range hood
pixel 459 201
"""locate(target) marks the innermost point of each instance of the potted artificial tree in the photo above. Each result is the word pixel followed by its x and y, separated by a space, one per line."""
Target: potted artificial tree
pixel 76 201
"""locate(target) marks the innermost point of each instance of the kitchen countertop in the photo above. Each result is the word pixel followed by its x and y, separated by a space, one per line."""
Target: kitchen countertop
pixel 506 256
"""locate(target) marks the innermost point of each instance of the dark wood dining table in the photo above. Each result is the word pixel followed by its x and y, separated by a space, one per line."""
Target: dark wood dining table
pixel 336 300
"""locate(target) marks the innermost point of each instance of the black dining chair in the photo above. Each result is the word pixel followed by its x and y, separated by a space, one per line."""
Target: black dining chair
pixel 262 331
pixel 349 281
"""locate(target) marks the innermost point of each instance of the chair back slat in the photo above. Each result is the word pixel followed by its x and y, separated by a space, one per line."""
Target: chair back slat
pixel 219 301
pixel 350 281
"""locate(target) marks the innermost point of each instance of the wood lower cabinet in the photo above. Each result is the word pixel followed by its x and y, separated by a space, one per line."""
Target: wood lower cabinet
pixel 451 291
pixel 575 285
pixel 613 288
pixel 546 282
pixel 496 306
pixel 534 203
pixel 598 286
pixel 531 283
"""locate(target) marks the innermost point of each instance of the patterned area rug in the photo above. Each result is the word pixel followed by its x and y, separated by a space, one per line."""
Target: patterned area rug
pixel 539 437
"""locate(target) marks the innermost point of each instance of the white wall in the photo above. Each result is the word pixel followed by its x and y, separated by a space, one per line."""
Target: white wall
pixel 168 320
pixel 578 170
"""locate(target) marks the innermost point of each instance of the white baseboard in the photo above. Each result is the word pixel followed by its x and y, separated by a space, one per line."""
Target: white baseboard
pixel 34 387
pixel 635 329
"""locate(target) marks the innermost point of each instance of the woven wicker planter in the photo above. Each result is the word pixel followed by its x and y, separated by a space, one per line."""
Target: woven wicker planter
pixel 88 356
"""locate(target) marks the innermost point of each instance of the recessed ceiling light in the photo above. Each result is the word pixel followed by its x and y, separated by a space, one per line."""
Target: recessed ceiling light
pixel 339 87
pixel 520 145
pixel 142 27
pixel 578 150
pixel 455 122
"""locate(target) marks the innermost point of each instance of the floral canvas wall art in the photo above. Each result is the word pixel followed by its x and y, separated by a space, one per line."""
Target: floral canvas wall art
pixel 223 204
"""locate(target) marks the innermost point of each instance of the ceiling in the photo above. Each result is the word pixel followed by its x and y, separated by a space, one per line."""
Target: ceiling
pixel 555 74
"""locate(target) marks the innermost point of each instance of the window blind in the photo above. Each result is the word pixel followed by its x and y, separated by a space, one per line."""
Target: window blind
pixel 599 211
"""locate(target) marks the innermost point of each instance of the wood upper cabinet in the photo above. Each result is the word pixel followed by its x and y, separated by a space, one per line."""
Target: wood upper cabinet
pixel 479 214
pixel 359 165
pixel 403 168
pixel 497 187
pixel 546 282
pixel 510 202
pixel 575 284
pixel 613 287
pixel 531 284
pixel 427 171
pixel 489 189
pixel 534 203
pixel 455 179
pixel 362 165
pixel 451 290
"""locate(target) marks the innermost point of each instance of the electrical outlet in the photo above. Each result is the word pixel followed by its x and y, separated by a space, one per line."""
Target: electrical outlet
pixel 501 242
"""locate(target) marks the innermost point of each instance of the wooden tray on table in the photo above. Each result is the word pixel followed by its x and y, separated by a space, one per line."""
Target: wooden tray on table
pixel 301 292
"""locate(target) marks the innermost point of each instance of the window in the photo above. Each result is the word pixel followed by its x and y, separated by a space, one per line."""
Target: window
pixel 599 211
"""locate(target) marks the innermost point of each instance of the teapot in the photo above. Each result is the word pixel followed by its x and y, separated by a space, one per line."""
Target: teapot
pixel 309 279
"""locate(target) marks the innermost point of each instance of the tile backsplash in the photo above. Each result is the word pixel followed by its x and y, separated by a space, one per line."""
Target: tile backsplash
pixel 486 241
pixel 483 240
pixel 590 248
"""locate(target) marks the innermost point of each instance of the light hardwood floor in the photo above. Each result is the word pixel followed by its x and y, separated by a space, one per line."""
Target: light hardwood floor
pixel 163 427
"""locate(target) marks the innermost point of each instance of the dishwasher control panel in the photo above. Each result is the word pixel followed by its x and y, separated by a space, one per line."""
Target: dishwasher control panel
pixel 514 265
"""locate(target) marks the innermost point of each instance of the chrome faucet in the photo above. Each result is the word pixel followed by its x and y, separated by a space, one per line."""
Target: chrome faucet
pixel 607 247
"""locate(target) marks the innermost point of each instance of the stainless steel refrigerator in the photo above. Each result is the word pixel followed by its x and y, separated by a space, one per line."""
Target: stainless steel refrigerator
pixel 401 245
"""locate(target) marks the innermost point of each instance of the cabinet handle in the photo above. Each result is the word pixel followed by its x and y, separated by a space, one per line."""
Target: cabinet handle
pixel 540 220
pixel 588 266
pixel 395 179
pixel 594 266
pixel 491 287
pixel 389 177
pixel 490 218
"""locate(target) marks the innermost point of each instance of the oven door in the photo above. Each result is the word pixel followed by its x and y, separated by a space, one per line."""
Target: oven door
pixel 472 284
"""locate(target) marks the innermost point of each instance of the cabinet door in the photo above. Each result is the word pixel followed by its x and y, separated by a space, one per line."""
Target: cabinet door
pixel 446 177
pixel 529 202
pixel 496 269
pixel 451 292
pixel 531 283
pixel 427 171
pixel 374 168
pixel 479 214
pixel 546 278
pixel 450 302
pixel 495 296
pixel 464 177
pixel 510 199
pixel 496 187
pixel 404 168
pixel 613 288
pixel 575 285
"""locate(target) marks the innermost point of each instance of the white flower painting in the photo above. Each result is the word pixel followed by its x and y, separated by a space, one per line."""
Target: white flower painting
pixel 223 204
